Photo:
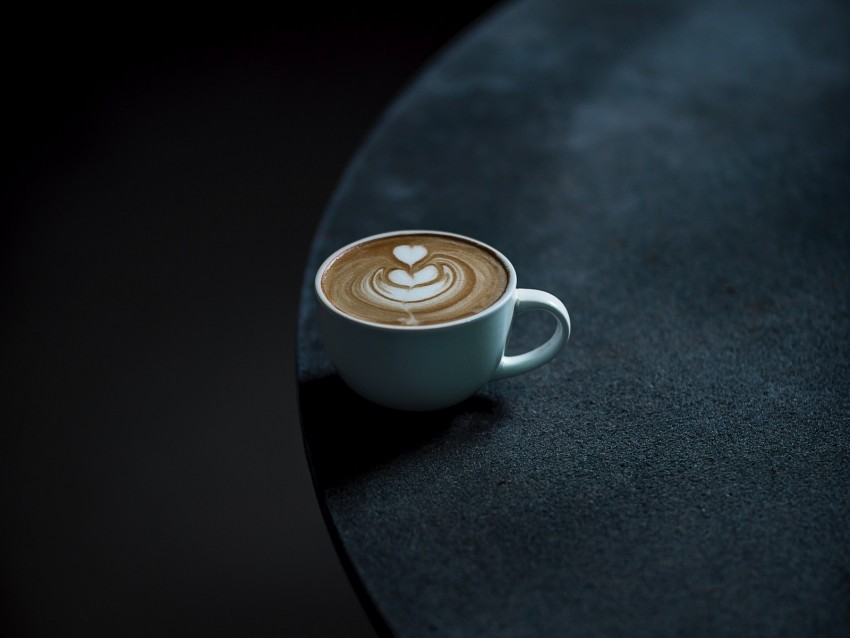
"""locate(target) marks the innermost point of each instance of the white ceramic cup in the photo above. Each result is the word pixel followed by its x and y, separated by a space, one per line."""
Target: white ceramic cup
pixel 434 366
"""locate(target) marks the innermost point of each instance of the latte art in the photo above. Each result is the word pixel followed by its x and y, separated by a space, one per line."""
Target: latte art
pixel 414 280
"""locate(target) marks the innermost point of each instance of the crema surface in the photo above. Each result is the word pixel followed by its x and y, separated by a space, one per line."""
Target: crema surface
pixel 413 280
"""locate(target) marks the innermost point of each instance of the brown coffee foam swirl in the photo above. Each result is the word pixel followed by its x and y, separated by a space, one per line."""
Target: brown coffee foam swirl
pixel 414 280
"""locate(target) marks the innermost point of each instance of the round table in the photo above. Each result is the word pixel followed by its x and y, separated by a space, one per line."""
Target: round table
pixel 678 174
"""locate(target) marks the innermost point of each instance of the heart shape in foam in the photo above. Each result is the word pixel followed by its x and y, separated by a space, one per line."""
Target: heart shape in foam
pixel 410 254
pixel 403 278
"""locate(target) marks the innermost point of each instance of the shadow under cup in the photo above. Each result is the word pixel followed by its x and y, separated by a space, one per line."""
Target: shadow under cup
pixel 433 366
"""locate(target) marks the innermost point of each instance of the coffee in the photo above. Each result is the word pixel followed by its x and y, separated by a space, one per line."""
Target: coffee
pixel 414 280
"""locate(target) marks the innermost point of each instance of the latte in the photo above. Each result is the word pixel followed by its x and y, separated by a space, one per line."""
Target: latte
pixel 414 280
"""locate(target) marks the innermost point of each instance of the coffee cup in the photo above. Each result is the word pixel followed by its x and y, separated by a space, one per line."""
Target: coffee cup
pixel 419 319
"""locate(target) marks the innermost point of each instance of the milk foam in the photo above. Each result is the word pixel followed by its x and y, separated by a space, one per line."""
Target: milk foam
pixel 414 280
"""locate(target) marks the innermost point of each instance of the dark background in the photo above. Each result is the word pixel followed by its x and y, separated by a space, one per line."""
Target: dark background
pixel 163 176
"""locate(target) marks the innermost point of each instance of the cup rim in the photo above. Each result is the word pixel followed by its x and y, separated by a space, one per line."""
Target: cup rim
pixel 510 289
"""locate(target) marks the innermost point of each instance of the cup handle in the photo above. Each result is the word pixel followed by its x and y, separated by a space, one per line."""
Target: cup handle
pixel 527 299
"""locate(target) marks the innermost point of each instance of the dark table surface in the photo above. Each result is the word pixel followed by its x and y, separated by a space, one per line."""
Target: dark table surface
pixel 677 173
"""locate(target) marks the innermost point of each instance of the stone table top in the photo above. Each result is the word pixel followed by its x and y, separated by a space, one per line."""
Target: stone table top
pixel 677 173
